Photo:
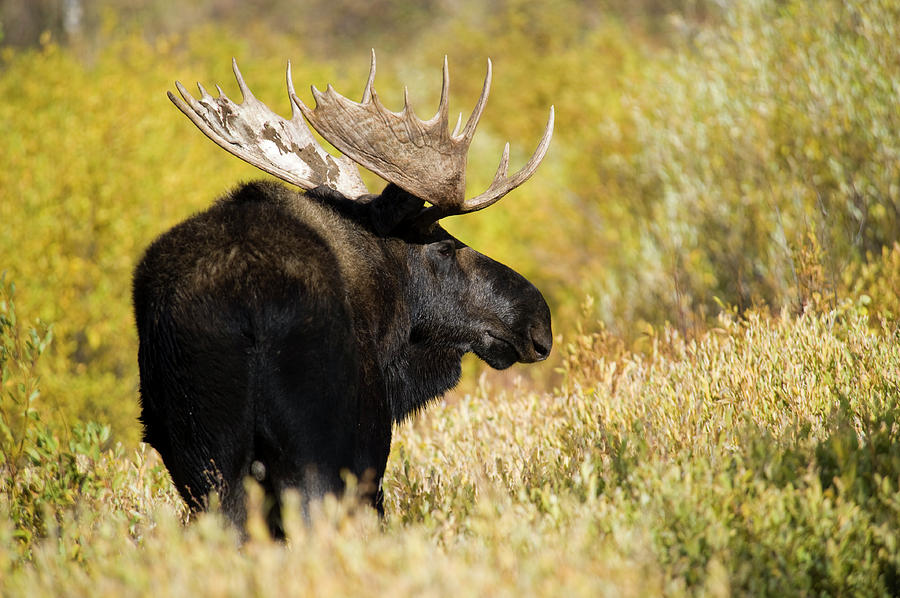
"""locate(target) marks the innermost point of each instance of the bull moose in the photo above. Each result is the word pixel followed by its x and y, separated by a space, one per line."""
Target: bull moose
pixel 282 333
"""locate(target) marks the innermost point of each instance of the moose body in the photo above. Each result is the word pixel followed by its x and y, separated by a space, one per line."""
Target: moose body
pixel 283 333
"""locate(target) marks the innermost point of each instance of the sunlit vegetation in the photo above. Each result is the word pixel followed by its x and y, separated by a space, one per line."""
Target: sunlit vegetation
pixel 720 418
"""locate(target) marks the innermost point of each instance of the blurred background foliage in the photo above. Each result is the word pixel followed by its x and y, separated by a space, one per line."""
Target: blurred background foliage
pixel 706 154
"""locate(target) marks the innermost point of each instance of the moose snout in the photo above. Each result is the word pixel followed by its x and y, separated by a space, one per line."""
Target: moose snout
pixel 541 341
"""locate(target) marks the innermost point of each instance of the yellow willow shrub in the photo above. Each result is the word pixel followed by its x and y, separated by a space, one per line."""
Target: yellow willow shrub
pixel 776 125
pixel 876 281
pixel 92 169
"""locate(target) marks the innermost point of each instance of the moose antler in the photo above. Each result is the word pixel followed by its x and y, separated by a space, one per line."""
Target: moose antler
pixel 255 134
pixel 422 157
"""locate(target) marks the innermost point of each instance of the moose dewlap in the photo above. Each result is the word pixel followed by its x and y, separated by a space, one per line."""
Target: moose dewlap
pixel 283 332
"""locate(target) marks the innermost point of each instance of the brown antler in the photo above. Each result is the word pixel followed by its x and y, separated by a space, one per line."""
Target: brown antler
pixel 422 157
pixel 257 135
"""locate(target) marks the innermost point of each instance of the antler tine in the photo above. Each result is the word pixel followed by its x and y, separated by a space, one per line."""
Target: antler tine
pixel 407 105
pixel 441 117
pixel 458 125
pixel 295 110
pixel 444 104
pixel 252 132
pixel 246 94
pixel 367 92
pixel 501 185
pixel 203 93
pixel 469 131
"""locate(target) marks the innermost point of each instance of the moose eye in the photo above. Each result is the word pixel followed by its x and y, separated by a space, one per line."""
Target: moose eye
pixel 446 248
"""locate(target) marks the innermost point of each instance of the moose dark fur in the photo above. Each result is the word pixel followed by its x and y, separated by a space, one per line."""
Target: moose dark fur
pixel 282 333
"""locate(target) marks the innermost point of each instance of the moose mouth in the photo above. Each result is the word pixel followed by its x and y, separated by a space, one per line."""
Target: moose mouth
pixel 497 352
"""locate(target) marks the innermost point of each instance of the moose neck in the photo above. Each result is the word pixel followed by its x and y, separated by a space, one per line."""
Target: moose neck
pixel 422 371
pixel 426 363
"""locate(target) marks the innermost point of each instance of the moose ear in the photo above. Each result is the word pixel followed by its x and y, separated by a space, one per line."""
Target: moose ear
pixel 392 208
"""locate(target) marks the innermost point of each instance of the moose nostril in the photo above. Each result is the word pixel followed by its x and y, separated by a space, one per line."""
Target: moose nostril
pixel 541 342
